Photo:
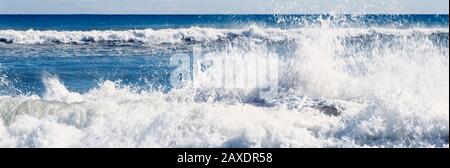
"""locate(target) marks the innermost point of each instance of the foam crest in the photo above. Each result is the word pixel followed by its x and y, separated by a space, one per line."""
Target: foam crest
pixel 191 35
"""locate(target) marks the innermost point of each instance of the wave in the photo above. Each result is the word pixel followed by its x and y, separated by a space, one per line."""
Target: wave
pixel 338 87
pixel 200 35
pixel 116 116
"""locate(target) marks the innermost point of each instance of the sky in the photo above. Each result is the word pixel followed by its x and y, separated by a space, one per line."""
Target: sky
pixel 223 6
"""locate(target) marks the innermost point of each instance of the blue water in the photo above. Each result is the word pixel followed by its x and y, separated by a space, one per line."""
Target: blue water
pixel 343 81
pixel 81 67
pixel 123 22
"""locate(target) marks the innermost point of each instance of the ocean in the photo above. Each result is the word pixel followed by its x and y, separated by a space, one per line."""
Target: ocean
pixel 252 81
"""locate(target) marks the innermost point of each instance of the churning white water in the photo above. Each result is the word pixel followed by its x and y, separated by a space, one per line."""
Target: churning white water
pixel 390 86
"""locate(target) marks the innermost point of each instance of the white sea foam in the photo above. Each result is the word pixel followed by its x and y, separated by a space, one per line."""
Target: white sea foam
pixel 392 92
pixel 193 34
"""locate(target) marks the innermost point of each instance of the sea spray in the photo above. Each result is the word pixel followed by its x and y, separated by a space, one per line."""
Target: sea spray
pixel 338 86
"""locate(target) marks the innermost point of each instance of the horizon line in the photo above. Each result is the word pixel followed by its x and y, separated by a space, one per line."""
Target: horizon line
pixel 224 14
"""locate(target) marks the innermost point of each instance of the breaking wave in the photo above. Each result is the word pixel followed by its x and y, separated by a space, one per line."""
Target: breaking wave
pixel 201 35
pixel 339 87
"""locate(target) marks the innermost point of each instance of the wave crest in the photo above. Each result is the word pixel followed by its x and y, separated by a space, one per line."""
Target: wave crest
pixel 197 35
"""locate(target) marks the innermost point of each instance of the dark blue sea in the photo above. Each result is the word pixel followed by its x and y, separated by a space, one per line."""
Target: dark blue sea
pixel 334 80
